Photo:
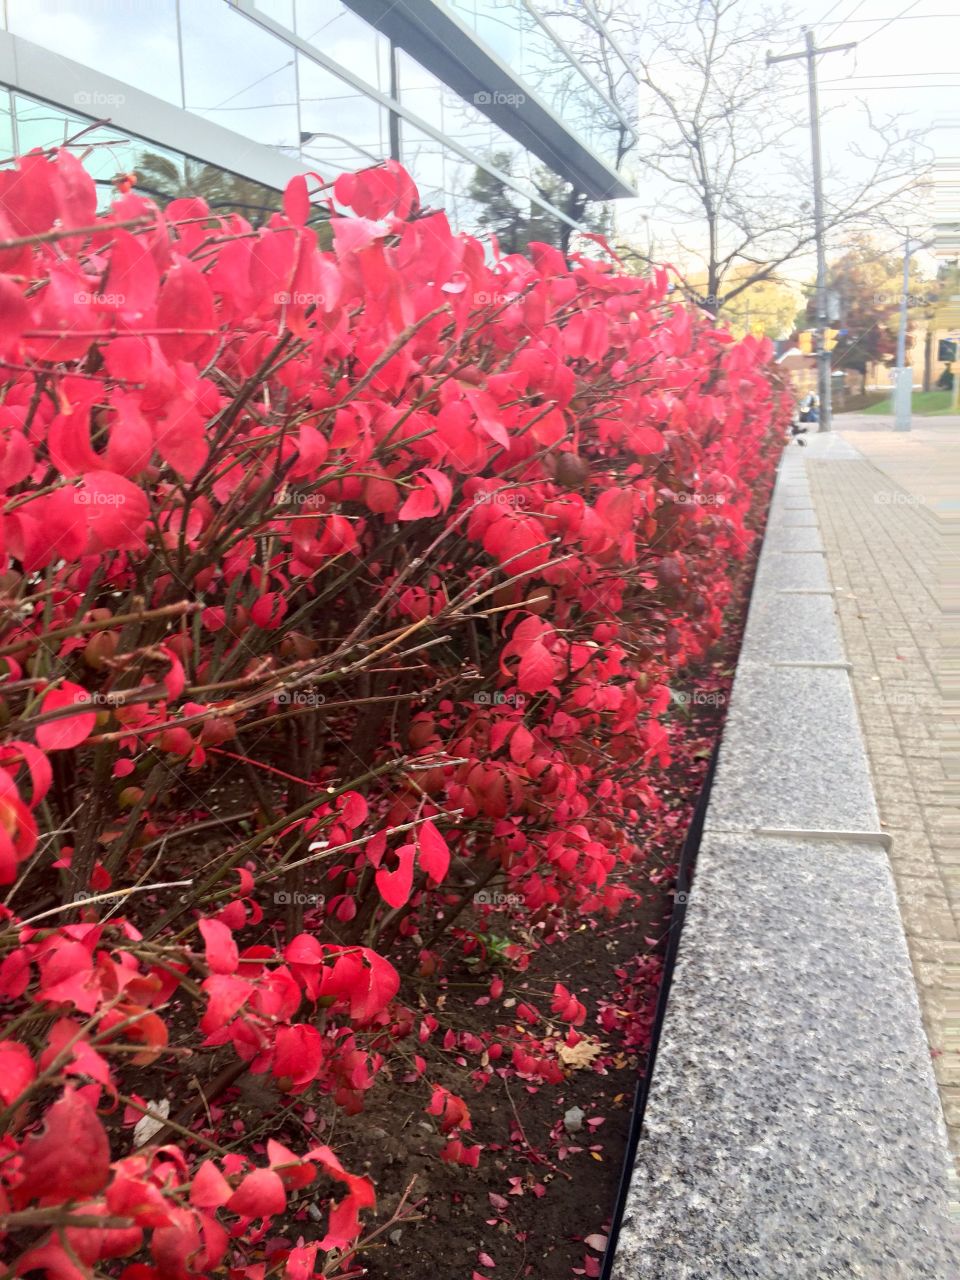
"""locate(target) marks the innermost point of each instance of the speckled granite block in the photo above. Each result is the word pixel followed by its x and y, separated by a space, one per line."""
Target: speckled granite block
pixel 792 755
pixel 793 1130
pixel 792 495
pixel 792 628
pixel 791 517
pixel 792 571
pixel 791 537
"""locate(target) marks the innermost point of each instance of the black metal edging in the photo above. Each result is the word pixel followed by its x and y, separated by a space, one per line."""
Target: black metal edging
pixel 688 857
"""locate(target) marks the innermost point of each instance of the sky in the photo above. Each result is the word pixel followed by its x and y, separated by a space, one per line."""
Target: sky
pixel 901 66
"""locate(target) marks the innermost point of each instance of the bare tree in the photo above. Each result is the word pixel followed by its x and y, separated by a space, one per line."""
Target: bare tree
pixel 721 151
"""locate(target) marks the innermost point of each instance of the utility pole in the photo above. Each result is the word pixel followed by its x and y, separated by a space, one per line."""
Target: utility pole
pixel 811 53
pixel 903 387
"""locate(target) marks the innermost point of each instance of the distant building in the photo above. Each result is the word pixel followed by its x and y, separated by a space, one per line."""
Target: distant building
pixel 801 368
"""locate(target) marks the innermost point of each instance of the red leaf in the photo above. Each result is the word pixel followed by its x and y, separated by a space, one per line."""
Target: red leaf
pixel 268 611
pixel 344 1225
pixel 133 279
pixel 521 744
pixel 221 950
pixel 77 192
pixel 434 854
pixel 210 1189
pixel 441 485
pixel 301 1263
pixel 259 1195
pixel 14 315
pixel 395 886
pixel 353 809
pixel 70 1159
pixel 70 731
pixel 421 503
pixel 382 984
pixel 536 670
pixel 185 305
pixel 645 440
pixel 298 1055
pixel 17 1070
pixel 227 995
pixel 296 200
pixel 116 512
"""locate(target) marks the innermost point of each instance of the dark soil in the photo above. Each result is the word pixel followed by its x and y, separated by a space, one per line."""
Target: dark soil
pixel 538 1191
pixel 540 1194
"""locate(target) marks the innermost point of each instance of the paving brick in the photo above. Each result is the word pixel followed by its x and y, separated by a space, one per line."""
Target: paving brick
pixel 886 550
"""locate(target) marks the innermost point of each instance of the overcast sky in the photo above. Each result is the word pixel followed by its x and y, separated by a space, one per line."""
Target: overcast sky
pixel 907 63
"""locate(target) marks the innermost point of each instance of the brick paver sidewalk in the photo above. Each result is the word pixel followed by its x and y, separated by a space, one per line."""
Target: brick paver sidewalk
pixel 885 517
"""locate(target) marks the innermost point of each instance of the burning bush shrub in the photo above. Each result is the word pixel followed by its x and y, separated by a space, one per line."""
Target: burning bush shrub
pixel 345 590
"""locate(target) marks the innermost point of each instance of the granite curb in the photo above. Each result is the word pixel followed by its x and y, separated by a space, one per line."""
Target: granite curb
pixel 793 1127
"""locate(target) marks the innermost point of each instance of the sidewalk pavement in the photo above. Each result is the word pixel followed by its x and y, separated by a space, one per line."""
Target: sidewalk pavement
pixel 888 515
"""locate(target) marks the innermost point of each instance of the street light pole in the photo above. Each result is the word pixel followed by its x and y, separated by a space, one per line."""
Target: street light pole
pixel 903 390
pixel 811 53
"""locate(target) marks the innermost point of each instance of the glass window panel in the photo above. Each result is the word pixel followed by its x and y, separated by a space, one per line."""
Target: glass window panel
pixel 341 128
pixel 431 100
pixel 442 178
pixel 8 144
pixel 161 173
pixel 278 10
pixel 462 188
pixel 239 75
pixel 440 107
pixel 514 34
pixel 136 43
pixel 347 39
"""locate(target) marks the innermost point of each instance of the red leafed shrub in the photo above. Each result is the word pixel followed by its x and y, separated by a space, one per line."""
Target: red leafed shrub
pixel 345 590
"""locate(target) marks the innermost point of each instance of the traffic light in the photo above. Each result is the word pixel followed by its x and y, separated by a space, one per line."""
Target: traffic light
pixel 830 338
pixel 805 342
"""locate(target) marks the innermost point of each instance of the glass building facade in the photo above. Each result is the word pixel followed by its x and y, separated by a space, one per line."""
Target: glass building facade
pixel 257 90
